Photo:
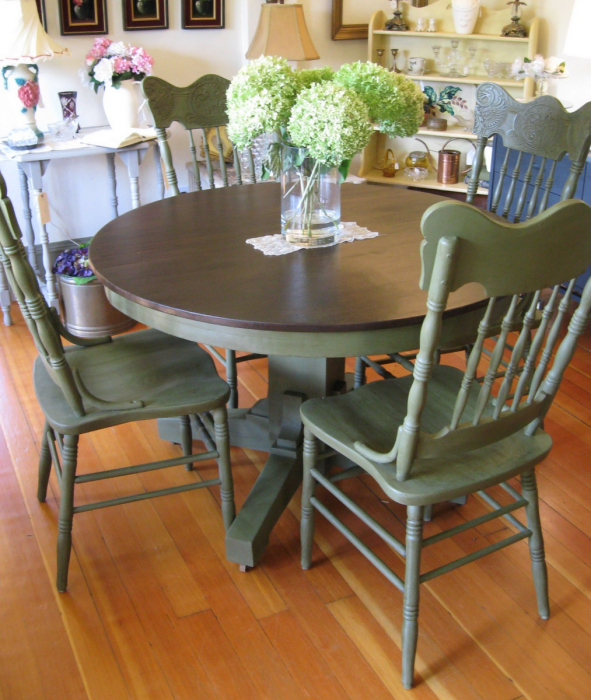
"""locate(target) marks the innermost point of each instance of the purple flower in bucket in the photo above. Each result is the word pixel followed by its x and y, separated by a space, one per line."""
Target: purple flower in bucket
pixel 74 263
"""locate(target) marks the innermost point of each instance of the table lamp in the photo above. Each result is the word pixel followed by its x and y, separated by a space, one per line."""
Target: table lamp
pixel 282 31
pixel 23 43
pixel 577 42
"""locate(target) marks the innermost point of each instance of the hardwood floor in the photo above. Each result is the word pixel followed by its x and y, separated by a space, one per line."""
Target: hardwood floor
pixel 154 611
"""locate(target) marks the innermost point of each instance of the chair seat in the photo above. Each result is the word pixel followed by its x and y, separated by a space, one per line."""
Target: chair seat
pixel 372 414
pixel 171 376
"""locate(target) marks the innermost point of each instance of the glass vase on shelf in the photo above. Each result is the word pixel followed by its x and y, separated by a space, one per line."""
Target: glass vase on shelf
pixel 310 199
pixel 541 87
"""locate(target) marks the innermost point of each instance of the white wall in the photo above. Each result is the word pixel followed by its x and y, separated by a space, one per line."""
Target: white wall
pixel 77 188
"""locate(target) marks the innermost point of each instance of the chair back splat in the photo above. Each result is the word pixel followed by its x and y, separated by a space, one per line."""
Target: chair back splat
pixel 536 135
pixel 499 257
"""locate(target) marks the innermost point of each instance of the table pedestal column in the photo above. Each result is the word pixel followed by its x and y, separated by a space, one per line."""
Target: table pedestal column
pixel 291 381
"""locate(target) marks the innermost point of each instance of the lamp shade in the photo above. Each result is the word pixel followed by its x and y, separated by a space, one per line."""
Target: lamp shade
pixel 22 37
pixel 282 31
pixel 577 39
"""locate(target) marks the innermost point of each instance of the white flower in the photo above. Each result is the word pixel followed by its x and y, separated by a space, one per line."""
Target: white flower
pixel 103 72
pixel 517 67
pixel 118 48
pixel 551 64
pixel 536 66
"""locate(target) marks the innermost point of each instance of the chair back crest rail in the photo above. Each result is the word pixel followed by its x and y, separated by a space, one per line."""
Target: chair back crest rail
pixel 202 106
pixel 464 245
pixel 536 135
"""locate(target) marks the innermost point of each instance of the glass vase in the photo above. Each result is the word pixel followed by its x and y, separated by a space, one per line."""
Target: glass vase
pixel 310 199
pixel 541 87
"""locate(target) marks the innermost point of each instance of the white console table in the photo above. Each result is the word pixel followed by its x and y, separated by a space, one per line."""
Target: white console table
pixel 33 164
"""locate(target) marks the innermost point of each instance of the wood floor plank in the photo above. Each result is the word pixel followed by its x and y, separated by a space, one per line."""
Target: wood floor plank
pixel 265 668
pixel 227 676
pixel 308 668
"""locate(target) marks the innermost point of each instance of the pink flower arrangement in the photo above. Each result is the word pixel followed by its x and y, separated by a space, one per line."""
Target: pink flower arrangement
pixel 112 62
pixel 28 94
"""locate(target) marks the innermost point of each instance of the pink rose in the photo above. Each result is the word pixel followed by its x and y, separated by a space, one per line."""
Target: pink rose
pixel 28 94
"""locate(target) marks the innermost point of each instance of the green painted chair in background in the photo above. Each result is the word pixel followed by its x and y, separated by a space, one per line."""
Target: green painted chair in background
pixel 200 106
pixel 536 136
pixel 107 382
pixel 438 434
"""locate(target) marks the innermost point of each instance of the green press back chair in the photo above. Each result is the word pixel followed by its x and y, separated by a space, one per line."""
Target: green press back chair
pixel 438 434
pixel 107 382
pixel 200 106
pixel 536 136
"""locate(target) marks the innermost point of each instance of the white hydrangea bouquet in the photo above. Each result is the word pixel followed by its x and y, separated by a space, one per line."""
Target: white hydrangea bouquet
pixel 540 69
pixel 320 118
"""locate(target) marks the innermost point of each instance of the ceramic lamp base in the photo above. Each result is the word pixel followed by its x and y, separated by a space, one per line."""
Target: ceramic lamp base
pixel 22 85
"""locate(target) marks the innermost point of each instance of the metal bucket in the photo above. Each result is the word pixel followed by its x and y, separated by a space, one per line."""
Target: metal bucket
pixel 86 311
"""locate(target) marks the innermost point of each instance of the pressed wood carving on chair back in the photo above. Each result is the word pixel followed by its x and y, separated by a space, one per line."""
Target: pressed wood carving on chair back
pixel 200 106
pixel 537 135
pixel 106 382
pixel 439 434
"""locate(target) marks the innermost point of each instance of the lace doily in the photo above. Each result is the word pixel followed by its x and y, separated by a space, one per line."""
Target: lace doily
pixel 277 245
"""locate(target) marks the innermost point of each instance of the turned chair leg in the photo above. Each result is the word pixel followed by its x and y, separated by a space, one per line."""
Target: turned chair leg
pixel 232 378
pixel 222 440
pixel 359 376
pixel 66 514
pixel 308 488
pixel 410 610
pixel 186 438
pixel 44 464
pixel 529 491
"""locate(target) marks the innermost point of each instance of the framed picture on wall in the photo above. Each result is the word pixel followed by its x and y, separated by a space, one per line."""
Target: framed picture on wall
pixel 203 14
pixel 41 10
pixel 83 17
pixel 145 14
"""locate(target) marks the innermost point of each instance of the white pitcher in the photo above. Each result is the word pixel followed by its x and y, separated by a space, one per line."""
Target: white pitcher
pixel 465 14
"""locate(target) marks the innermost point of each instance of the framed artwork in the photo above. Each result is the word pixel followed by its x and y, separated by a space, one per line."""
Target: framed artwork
pixel 41 10
pixel 83 17
pixel 340 30
pixel 203 14
pixel 145 14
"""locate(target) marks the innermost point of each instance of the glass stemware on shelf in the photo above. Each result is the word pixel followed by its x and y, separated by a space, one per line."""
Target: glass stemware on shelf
pixel 456 67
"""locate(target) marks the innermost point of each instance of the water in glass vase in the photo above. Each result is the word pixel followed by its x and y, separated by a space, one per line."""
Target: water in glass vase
pixel 310 199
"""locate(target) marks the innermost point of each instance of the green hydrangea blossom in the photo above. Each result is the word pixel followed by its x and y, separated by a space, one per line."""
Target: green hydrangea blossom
pixel 260 99
pixel 331 122
pixel 395 103
pixel 310 76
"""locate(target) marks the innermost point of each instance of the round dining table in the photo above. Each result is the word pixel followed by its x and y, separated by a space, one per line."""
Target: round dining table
pixel 182 265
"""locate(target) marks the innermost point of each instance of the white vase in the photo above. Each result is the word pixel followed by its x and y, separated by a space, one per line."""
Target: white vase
pixel 122 106
pixel 465 14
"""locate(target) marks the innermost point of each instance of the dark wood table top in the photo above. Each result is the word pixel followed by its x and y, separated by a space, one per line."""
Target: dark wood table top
pixel 187 256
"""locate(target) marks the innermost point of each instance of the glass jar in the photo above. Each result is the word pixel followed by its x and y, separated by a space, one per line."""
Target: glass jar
pixel 310 199
pixel 417 159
